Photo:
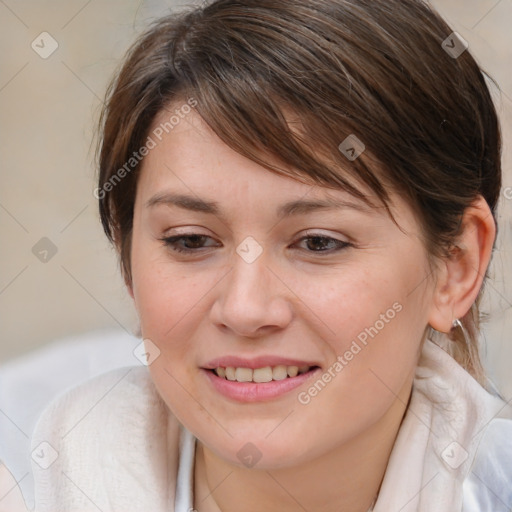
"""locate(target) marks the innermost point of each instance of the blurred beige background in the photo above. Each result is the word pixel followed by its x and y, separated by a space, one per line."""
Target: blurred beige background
pixel 49 107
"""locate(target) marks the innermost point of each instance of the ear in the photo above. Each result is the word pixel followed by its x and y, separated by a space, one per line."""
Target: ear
pixel 460 275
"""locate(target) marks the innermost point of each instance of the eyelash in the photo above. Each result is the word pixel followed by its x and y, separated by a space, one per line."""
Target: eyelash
pixel 171 242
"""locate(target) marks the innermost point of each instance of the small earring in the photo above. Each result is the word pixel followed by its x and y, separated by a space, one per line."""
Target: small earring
pixel 457 323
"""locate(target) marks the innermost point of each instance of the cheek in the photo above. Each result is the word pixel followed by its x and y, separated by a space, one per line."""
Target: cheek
pixel 169 305
pixel 352 300
pixel 373 318
pixel 163 293
pixel 374 334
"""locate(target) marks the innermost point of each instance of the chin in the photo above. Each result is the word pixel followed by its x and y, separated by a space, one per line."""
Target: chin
pixel 258 452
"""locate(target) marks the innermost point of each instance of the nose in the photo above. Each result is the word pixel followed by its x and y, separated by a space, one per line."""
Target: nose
pixel 252 300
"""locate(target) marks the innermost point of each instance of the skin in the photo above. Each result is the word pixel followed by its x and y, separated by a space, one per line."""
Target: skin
pixel 295 301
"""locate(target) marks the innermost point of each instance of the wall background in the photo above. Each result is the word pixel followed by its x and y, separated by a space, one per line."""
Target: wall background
pixel 49 108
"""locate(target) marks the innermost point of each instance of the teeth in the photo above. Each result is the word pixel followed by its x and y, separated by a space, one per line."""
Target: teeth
pixel 243 374
pixel 262 374
pixel 279 372
pixel 265 374
pixel 292 371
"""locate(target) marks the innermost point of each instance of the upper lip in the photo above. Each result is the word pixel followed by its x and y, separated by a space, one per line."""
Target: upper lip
pixel 257 362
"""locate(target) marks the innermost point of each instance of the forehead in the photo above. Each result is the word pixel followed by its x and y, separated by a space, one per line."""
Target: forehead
pixel 190 159
pixel 182 138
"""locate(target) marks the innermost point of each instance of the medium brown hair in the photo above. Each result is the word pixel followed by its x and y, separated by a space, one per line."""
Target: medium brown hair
pixel 374 69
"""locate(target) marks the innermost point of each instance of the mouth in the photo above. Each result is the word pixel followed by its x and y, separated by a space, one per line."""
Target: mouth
pixel 243 384
pixel 261 375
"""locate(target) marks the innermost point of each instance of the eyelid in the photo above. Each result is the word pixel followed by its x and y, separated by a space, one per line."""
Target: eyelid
pixel 315 233
pixel 171 243
pixel 341 244
pixel 168 239
pixel 308 233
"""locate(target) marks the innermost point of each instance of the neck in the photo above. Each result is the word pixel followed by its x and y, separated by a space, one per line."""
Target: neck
pixel 346 478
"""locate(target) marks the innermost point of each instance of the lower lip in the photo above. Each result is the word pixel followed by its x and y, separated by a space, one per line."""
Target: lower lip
pixel 256 391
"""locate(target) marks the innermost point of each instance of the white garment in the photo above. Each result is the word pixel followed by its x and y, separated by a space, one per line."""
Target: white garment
pixel 120 450
pixel 30 382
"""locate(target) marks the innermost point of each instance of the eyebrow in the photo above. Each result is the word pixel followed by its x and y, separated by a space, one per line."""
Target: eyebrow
pixel 297 207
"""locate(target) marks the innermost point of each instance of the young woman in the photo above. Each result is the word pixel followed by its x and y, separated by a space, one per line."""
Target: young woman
pixel 302 195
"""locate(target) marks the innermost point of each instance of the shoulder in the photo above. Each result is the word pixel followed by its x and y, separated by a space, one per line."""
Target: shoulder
pixel 113 438
pixel 119 399
pixel 120 390
pixel 488 485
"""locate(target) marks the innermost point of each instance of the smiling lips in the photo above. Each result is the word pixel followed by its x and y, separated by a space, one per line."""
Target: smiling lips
pixel 238 381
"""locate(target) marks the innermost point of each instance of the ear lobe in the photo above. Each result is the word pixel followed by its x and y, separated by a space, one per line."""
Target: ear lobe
pixel 461 275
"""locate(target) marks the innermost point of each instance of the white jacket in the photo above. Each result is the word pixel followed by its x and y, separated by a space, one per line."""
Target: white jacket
pixel 111 444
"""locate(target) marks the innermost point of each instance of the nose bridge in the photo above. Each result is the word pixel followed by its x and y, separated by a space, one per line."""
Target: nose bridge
pixel 251 275
pixel 248 282
pixel 248 276
pixel 251 297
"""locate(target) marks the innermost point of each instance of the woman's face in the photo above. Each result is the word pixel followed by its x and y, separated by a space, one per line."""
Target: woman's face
pixel 269 278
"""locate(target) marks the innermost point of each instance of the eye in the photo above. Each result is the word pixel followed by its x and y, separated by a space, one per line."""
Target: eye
pixel 192 242
pixel 321 243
